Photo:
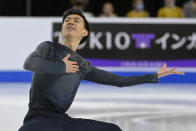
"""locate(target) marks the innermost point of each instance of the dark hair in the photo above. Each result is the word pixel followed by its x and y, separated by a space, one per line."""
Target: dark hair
pixel 78 12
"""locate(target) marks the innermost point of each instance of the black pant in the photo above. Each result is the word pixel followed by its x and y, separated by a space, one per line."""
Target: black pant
pixel 63 122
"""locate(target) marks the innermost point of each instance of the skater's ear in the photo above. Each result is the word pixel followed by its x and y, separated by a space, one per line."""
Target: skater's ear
pixel 85 33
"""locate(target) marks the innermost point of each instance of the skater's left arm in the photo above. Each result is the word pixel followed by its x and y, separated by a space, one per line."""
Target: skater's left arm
pixel 108 78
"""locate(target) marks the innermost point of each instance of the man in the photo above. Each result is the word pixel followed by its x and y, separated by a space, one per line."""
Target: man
pixel 170 10
pixel 138 10
pixel 189 9
pixel 108 10
pixel 58 70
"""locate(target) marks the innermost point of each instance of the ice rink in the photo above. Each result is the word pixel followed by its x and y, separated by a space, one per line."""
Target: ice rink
pixel 146 107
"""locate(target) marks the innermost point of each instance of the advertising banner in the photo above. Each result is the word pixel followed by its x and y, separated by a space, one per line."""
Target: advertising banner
pixel 143 45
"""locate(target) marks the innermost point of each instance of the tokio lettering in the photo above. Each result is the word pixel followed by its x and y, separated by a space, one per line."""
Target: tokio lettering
pixel 123 40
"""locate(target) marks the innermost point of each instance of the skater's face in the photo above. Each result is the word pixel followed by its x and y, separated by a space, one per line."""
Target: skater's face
pixel 74 27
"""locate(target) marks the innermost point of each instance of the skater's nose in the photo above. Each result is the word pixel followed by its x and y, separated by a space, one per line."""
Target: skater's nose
pixel 70 22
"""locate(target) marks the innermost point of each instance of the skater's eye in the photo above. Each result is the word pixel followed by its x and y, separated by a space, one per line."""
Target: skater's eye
pixel 66 20
pixel 77 20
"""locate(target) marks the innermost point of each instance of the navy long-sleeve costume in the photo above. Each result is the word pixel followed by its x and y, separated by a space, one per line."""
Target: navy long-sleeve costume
pixel 53 90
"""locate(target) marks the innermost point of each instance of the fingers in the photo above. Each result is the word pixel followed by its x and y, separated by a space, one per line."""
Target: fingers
pixel 66 57
pixel 74 70
pixel 168 71
pixel 72 67
pixel 75 66
pixel 73 62
pixel 165 65
pixel 172 69
pixel 178 72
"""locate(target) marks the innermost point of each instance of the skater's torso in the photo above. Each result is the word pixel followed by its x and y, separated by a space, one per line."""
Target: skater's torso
pixel 57 91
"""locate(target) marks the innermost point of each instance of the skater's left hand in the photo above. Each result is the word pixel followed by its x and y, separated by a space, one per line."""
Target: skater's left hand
pixel 164 71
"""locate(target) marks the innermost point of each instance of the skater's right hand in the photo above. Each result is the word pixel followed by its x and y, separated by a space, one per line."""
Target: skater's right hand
pixel 71 66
